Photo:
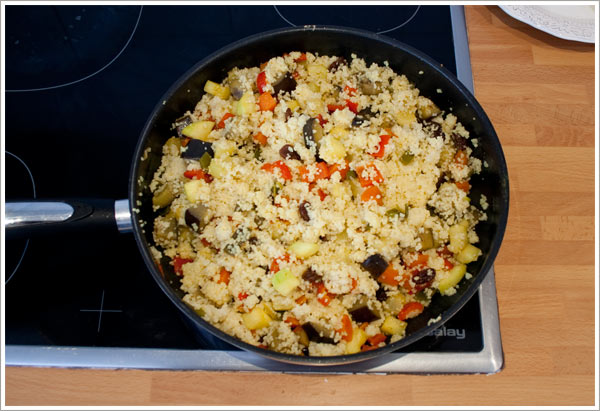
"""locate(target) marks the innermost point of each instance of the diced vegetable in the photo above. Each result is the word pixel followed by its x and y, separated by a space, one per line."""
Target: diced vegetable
pixel 363 314
pixel 420 260
pixel 221 123
pixel 293 105
pixel 197 215
pixel 205 161
pixel 163 197
pixel 346 330
pixel 284 170
pixel 321 172
pixel 217 90
pixel 393 326
pixel 284 281
pixel 318 333
pixel 375 265
pixel 266 102
pixel 454 276
pixel 236 88
pixel 217 168
pixel 182 123
pixel 260 138
pixel 261 81
pixel 359 337
pixel 317 70
pixel 426 238
pixel 458 236
pixel 389 276
pixel 178 263
pixel 405 118
pixel 303 249
pixel 312 133
pixel 383 140
pixel 224 276
pixel 410 310
pixel 199 130
pixel 198 174
pixel 332 150
pixel 407 157
pixel 195 149
pixel 193 190
pixel 468 254
pixel 395 303
pixel 368 175
pixel 368 87
pixel 352 106
pixel 461 158
pixel 376 339
pixel 246 105
pixel 323 296
pixel 343 169
pixel 372 193
pixel 302 336
pixel 286 84
pixel 255 319
pixel 463 185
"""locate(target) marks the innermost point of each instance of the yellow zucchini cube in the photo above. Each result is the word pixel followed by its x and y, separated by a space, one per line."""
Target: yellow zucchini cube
pixel 255 319
pixel 246 105
pixel 458 236
pixel 332 151
pixel 317 70
pixel 293 105
pixel 393 326
pixel 217 168
pixel 359 337
pixel 405 118
pixel 217 90
pixel 193 190
pixel 454 276
pixel 468 254
pixel 224 148
pixel 284 282
pixel 303 249
pixel 199 130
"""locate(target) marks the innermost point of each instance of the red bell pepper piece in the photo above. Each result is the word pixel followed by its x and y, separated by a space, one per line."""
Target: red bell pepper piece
pixel 352 106
pixel 286 174
pixel 410 310
pixel 178 263
pixel 221 124
pixel 198 174
pixel 261 81
pixel 368 181
pixel 383 140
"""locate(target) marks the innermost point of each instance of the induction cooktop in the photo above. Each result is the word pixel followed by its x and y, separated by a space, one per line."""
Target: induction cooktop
pixel 80 83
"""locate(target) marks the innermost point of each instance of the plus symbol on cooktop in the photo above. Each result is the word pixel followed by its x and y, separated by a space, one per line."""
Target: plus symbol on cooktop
pixel 101 310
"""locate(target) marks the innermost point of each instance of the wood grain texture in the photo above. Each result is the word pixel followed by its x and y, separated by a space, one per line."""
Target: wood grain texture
pixel 539 93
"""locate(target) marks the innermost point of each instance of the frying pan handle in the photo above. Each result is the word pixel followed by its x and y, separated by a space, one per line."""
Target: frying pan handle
pixel 43 217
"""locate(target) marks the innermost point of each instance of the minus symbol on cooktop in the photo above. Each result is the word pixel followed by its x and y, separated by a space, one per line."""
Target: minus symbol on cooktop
pixel 101 310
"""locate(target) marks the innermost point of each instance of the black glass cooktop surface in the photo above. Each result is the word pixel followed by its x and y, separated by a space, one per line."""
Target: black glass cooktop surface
pixel 80 83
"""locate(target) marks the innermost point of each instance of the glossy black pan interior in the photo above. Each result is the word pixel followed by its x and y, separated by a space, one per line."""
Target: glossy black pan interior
pixel 421 70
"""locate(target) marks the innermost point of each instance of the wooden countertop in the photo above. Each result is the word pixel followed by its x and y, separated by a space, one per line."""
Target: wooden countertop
pixel 538 91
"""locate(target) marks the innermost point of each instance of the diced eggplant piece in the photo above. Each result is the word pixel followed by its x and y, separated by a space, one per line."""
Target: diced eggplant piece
pixel 312 132
pixel 236 89
pixel 314 331
pixel 363 314
pixel 196 217
pixel 368 87
pixel 375 265
pixel 182 123
pixel 286 84
pixel 195 149
pixel 363 115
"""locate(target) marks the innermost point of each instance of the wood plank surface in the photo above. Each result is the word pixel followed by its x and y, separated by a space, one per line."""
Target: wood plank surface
pixel 538 91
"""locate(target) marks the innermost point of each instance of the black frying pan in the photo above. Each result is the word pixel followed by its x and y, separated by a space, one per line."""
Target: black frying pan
pixel 421 70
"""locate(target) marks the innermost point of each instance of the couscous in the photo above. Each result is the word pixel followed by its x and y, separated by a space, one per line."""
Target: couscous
pixel 313 205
